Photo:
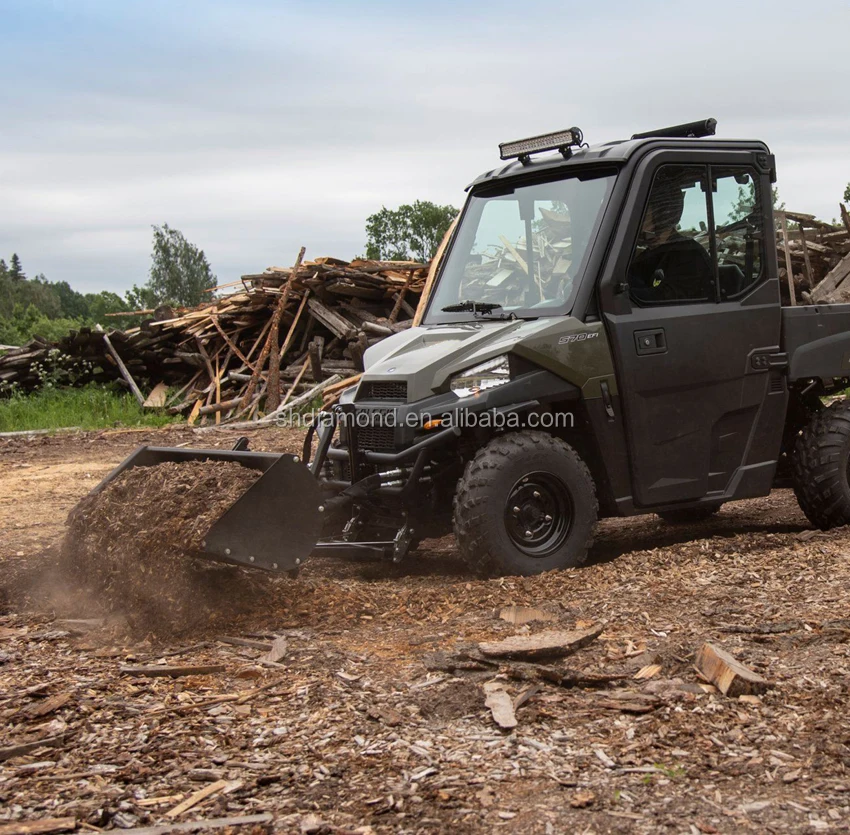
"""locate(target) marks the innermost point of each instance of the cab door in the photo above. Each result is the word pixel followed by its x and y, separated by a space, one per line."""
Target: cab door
pixel 693 316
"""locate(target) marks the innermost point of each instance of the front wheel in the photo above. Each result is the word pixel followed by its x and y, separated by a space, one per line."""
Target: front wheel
pixel 525 504
pixel 820 467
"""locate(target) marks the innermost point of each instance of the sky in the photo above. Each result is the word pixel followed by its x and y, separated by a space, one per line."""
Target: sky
pixel 258 127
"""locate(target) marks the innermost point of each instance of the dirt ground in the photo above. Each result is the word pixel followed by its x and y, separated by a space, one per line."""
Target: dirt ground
pixel 364 724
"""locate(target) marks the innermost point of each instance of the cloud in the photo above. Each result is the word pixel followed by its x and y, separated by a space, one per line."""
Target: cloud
pixel 257 127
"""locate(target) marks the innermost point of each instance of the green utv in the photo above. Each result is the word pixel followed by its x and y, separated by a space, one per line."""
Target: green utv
pixel 605 337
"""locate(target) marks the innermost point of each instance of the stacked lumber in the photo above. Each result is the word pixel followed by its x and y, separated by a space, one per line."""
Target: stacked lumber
pixel 503 270
pixel 275 337
pixel 814 258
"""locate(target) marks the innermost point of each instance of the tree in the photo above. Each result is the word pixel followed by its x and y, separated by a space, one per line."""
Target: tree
pixel 847 194
pixel 747 199
pixel 408 232
pixel 15 270
pixel 180 272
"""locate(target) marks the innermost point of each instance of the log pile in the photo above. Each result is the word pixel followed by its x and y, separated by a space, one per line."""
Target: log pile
pixel 814 258
pixel 286 332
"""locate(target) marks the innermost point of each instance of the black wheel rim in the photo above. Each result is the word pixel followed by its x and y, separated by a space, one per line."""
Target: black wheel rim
pixel 538 514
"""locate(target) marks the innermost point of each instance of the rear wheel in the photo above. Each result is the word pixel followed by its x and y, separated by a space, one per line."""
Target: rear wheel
pixel 525 504
pixel 819 466
pixel 688 515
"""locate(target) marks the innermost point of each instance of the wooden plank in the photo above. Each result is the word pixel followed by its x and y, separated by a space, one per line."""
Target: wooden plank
pixel 517 257
pixel 806 261
pixel 335 323
pixel 39 827
pixel 22 748
pixel 49 705
pixel 549 644
pixel 196 798
pixel 303 399
pixel 432 272
pixel 832 279
pixel 164 670
pixel 156 399
pixel 728 674
pixel 122 368
pixel 783 220
pixel 314 352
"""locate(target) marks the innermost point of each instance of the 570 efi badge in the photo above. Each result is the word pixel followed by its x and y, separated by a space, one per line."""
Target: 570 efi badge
pixel 577 337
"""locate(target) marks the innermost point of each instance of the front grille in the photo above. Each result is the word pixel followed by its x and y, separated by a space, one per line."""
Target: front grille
pixel 388 390
pixel 377 431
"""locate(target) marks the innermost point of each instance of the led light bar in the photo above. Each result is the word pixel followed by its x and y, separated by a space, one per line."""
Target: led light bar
pixel 521 149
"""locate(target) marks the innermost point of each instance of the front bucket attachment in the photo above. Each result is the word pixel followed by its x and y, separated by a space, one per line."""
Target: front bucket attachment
pixel 274 524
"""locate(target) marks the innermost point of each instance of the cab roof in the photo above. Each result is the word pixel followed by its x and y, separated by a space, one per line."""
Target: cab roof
pixel 618 152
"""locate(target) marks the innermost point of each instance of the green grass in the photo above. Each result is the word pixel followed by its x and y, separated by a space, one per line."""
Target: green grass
pixel 91 407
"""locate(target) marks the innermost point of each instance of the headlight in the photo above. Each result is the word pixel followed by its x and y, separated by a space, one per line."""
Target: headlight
pixel 488 375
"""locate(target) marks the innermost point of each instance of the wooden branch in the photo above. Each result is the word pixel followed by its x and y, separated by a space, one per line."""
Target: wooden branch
pixel 400 299
pixel 300 374
pixel 232 345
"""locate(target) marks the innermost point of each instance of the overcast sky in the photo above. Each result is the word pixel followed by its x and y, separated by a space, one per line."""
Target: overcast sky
pixel 256 127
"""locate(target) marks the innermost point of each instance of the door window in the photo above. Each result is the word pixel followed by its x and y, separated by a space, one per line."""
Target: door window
pixel 686 223
pixel 738 226
pixel 672 261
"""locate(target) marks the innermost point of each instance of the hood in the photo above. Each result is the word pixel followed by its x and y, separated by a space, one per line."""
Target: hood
pixel 425 357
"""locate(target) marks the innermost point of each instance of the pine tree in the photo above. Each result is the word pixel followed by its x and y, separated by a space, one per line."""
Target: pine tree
pixel 16 272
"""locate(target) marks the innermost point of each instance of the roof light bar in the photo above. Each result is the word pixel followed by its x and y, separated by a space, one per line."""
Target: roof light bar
pixel 704 127
pixel 522 149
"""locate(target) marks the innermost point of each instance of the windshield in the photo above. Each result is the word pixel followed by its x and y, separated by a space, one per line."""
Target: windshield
pixel 523 249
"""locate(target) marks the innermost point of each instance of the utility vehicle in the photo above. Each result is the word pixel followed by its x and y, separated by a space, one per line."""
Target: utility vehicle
pixel 605 337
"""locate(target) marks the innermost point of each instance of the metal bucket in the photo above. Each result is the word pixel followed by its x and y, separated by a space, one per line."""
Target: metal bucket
pixel 276 522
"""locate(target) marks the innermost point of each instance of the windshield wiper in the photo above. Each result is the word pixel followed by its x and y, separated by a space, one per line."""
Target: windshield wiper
pixel 482 308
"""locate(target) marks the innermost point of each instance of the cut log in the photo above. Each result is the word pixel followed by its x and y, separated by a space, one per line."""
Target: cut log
pixel 728 674
pixel 549 644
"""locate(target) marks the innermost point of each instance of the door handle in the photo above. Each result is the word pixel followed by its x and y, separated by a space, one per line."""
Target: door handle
pixel 652 341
